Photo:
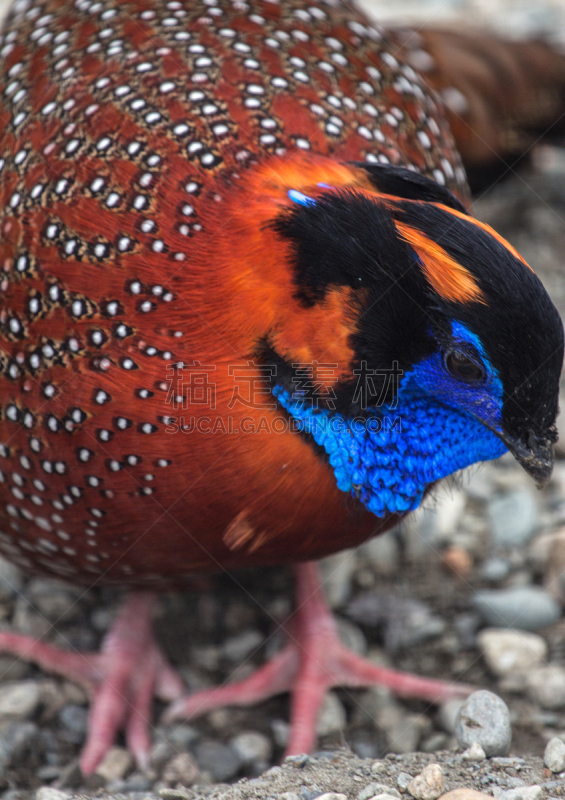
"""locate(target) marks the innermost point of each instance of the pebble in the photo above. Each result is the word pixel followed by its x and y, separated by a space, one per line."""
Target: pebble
pixel 27 621
pixel 54 599
pixel 474 753
pixel 448 714
pixel 331 796
pixel 337 574
pixel 507 651
pixel 182 769
pixel 252 746
pixel 10 580
pixel 407 622
pixel 384 796
pixel 524 607
pixel 378 708
pixel 465 794
pixel 237 648
pixel 180 737
pixel 403 779
pixel 522 793
pixel 546 686
pixel 177 793
pixel 554 756
pixel 75 720
pixel 16 739
pixel 219 760
pixel 47 793
pixel 513 518
pixel 331 716
pixel 351 635
pixel 115 764
pixel 19 700
pixel 457 561
pixel 382 553
pixel 428 785
pixel 484 718
pixel 377 789
pixel 495 569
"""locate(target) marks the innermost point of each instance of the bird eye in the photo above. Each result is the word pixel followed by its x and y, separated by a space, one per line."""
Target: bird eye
pixel 463 368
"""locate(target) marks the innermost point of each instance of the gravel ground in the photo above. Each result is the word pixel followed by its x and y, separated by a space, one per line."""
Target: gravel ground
pixel 469 588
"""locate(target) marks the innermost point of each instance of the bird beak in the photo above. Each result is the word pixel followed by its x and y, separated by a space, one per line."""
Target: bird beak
pixel 536 456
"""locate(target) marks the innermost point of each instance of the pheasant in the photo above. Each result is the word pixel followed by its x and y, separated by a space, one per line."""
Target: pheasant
pixel 245 319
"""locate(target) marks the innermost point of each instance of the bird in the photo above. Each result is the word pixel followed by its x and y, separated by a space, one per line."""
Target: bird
pixel 246 319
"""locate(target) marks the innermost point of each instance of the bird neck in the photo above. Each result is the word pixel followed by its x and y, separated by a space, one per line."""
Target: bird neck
pixel 253 271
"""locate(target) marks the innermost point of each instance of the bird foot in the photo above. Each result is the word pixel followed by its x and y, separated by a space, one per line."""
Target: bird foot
pixel 122 679
pixel 313 661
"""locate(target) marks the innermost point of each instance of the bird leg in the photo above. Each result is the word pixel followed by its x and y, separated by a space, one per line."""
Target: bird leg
pixel 121 679
pixel 312 661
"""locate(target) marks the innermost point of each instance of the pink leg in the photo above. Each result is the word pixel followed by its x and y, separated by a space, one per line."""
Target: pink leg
pixel 312 662
pixel 122 679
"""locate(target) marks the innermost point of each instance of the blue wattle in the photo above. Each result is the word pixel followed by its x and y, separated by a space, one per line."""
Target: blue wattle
pixel 387 461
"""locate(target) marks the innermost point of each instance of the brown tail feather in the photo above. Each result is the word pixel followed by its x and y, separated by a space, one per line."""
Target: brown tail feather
pixel 502 96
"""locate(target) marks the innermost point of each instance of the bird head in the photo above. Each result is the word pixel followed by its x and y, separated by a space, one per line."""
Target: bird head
pixel 431 344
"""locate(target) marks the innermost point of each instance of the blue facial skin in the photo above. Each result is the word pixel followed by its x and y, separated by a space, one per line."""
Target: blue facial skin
pixel 435 429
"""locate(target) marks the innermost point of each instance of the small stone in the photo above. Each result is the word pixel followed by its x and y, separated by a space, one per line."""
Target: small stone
pixel 252 746
pixel 47 793
pixel 495 569
pixel 27 621
pixel 546 686
pixel 182 769
pixel 289 796
pixel 555 565
pixel 299 760
pixel 337 574
pixel 10 580
pixel 513 518
pixel 331 796
pixel 484 718
pixel 54 599
pixel 16 740
pixel 507 651
pixel 377 789
pixel 237 648
pixel 403 779
pixel 351 635
pixel 522 793
pixel 13 668
pixel 457 561
pixel 382 553
pixel 465 794
pixel 383 796
pixel 525 607
pixel 379 709
pixel 474 753
pixel 219 760
pixel 75 719
pixel 115 764
pixel 378 767
pixel 436 741
pixel 177 793
pixel 19 700
pixel 331 716
pixel 71 776
pixel 428 785
pixel 448 714
pixel 554 756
